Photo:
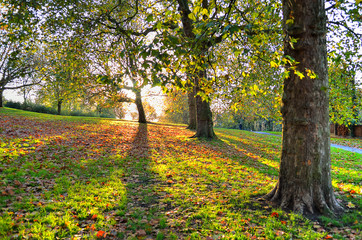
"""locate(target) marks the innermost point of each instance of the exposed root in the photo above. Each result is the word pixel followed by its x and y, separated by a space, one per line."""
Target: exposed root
pixel 304 202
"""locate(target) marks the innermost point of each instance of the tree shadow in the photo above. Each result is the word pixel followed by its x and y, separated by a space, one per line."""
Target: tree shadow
pixel 143 207
pixel 98 174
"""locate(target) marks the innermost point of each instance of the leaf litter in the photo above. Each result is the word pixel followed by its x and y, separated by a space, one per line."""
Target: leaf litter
pixel 110 179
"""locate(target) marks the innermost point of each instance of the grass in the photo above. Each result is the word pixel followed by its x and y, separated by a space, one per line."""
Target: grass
pixel 86 178
pixel 349 142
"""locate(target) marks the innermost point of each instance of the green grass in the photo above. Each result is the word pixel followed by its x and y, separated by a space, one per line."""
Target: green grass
pixel 349 142
pixel 75 177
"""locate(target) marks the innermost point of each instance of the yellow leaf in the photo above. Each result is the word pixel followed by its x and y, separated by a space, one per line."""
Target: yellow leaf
pixel 274 64
pixel 351 205
pixel 289 21
pixel 205 12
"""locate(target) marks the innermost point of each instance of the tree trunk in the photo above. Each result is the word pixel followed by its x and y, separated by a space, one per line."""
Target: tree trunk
pixel 192 110
pixel 204 124
pixel 1 97
pixel 304 182
pixel 141 111
pixel 59 106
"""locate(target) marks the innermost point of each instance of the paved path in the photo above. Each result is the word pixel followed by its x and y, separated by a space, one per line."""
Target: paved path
pixel 351 149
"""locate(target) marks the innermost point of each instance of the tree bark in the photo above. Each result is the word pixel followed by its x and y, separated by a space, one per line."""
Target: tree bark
pixel 204 124
pixel 304 184
pixel 1 97
pixel 60 101
pixel 141 111
pixel 192 110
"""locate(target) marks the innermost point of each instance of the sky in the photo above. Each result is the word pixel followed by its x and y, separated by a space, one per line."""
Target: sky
pixel 13 95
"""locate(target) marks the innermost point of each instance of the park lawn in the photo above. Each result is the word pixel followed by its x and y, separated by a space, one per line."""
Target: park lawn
pixel 349 142
pixel 88 178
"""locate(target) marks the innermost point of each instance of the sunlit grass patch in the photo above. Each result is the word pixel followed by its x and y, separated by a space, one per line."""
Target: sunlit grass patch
pixel 81 178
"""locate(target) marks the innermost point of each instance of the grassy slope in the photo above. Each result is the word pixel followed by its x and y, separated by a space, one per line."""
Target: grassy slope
pixel 89 178
pixel 349 142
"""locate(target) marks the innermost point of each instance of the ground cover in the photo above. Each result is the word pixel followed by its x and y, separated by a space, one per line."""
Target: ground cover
pixel 348 142
pixel 86 178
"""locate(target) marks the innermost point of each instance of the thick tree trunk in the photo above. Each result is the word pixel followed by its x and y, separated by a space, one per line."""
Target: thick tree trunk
pixel 1 97
pixel 141 111
pixel 192 110
pixel 304 182
pixel 59 106
pixel 204 124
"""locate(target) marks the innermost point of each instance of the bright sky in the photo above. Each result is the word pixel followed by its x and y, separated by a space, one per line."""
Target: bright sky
pixel 13 95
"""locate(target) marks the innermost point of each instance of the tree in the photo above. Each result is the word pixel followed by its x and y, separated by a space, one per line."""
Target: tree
pixel 344 104
pixel 112 36
pixel 18 66
pixel 304 183
pixel 205 26
pixel 192 122
pixel 204 124
pixel 121 69
pixel 62 74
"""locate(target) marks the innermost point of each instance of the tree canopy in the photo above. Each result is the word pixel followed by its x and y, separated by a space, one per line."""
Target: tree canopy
pixel 253 58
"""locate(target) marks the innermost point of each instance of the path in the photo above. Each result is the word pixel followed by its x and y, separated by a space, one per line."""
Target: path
pixel 351 149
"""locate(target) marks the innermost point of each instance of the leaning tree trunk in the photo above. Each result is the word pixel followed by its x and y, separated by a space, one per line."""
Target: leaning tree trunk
pixel 192 110
pixel 1 97
pixel 304 182
pixel 141 111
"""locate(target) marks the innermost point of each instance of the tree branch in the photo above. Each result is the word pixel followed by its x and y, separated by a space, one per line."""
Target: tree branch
pixel 21 86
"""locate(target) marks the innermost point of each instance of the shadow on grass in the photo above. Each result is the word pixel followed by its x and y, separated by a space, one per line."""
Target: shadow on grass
pixel 129 181
pixel 143 207
pixel 78 180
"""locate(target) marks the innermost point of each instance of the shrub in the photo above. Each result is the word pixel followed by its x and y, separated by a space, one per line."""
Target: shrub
pixel 33 107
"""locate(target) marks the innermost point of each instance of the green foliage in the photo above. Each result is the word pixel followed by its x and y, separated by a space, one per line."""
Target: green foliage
pixel 30 107
pixel 34 107
pixel 345 98
pixel 176 108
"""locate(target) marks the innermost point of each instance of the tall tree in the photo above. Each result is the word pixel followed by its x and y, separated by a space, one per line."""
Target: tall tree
pixel 204 123
pixel 18 65
pixel 121 69
pixel 63 74
pixel 304 183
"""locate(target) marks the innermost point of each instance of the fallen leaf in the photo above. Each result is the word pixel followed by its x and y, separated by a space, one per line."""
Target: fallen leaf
pixel 351 205
pixel 101 234
pixel 141 233
pixel 275 214
pixel 154 222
